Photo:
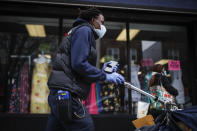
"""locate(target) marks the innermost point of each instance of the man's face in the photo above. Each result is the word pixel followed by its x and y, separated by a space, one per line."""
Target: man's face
pixel 97 22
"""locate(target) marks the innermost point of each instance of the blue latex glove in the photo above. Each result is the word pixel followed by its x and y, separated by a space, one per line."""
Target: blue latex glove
pixel 115 78
pixel 105 65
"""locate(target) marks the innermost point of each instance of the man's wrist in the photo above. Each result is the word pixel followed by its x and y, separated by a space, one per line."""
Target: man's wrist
pixel 103 76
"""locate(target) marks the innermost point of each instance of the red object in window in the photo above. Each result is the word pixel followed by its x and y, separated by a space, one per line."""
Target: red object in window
pixel 36 94
pixel 65 34
pixel 91 102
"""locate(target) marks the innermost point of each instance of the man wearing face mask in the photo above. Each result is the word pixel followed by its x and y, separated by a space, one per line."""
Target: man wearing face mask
pixel 74 69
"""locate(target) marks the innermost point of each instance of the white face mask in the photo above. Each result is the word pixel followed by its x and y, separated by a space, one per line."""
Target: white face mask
pixel 101 32
pixel 165 73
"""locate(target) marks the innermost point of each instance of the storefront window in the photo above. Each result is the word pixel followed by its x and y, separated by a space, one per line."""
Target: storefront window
pixel 27 47
pixel 158 44
pixel 111 97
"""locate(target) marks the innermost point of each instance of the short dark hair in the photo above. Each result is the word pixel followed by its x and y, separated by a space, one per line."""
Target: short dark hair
pixel 89 14
pixel 158 68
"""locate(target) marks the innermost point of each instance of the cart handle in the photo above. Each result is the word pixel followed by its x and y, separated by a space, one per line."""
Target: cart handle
pixel 130 86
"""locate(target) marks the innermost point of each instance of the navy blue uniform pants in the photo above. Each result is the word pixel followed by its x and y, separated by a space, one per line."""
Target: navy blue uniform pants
pixel 82 120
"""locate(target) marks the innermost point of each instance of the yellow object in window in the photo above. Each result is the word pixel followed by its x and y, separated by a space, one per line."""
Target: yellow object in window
pixel 40 90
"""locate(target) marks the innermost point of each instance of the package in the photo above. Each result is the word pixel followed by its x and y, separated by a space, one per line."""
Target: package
pixel 144 121
pixel 142 109
pixel 162 94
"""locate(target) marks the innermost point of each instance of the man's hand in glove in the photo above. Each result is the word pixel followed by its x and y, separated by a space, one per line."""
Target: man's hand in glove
pixel 116 78
pixel 107 63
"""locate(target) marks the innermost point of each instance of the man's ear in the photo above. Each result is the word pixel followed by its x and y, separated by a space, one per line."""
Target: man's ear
pixel 92 21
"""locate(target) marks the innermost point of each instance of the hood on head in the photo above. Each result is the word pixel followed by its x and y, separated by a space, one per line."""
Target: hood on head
pixel 80 21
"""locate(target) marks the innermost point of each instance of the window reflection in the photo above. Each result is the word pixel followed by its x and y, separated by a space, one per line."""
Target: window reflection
pixel 27 45
pixel 159 44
